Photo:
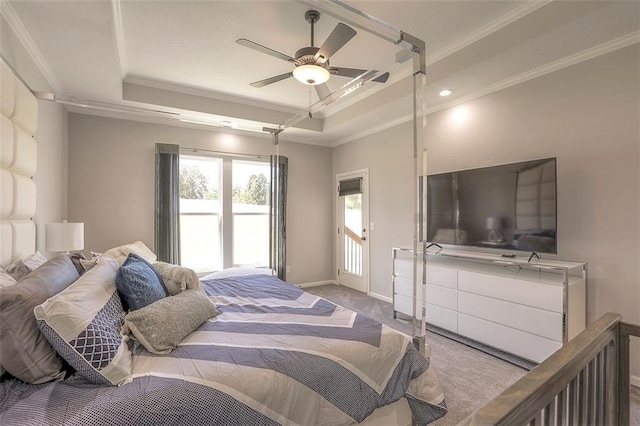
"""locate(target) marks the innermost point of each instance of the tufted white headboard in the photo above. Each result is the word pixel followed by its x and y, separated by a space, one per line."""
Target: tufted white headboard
pixel 18 161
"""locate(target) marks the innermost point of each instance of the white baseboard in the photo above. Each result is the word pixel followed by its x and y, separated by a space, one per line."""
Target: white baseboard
pixel 635 380
pixel 380 297
pixel 316 283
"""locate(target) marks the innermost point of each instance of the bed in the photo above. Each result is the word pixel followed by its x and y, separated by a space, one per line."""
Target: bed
pixel 274 355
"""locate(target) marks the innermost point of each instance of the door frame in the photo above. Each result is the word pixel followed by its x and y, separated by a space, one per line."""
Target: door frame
pixel 364 174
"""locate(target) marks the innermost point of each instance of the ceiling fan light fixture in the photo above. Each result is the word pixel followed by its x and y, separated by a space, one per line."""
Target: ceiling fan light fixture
pixel 311 74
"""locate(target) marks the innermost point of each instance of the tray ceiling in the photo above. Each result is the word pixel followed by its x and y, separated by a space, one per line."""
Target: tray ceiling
pixel 139 53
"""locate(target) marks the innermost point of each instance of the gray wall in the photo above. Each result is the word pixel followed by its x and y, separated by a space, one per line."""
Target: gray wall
pixel 389 157
pixel 587 116
pixel 111 186
pixel 51 137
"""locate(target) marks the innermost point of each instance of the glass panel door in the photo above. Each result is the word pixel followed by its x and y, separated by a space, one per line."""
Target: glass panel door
pixel 352 260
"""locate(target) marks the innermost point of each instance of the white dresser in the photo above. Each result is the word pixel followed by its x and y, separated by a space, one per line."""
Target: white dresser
pixel 526 309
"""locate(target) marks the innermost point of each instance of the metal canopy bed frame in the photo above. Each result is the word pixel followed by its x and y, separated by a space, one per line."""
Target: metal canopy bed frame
pixel 409 48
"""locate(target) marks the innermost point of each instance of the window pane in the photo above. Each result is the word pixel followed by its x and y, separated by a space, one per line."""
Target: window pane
pixel 251 239
pixel 251 181
pixel 200 242
pixel 200 213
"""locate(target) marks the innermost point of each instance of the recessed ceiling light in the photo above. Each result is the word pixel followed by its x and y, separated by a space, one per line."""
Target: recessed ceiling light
pixel 446 92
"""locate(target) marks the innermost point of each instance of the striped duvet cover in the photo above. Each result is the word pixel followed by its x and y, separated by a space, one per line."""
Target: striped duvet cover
pixel 275 355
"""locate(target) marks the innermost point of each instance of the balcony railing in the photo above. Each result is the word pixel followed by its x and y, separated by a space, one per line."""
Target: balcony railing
pixel 586 382
pixel 352 252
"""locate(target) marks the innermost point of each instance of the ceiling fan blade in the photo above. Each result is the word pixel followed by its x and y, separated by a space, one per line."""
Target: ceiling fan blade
pixel 271 80
pixel 322 90
pixel 260 48
pixel 382 78
pixel 340 35
pixel 354 72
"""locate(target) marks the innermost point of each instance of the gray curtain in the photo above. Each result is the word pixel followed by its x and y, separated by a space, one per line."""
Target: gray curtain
pixel 278 218
pixel 167 203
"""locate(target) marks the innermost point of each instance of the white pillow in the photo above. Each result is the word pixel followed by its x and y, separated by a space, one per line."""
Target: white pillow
pixel 34 261
pixel 237 272
pixel 120 253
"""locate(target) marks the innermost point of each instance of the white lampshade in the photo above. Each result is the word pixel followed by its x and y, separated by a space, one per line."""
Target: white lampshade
pixel 493 223
pixel 311 74
pixel 64 236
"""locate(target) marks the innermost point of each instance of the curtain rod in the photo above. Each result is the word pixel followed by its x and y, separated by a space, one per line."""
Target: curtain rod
pixel 224 153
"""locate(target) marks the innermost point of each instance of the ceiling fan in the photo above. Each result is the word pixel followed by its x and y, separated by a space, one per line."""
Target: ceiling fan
pixel 312 63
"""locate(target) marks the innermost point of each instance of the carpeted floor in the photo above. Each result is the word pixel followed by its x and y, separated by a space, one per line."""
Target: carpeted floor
pixel 469 378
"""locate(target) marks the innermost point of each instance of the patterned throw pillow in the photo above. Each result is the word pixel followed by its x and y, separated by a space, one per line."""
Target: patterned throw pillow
pixel 138 283
pixel 83 324
pixel 162 325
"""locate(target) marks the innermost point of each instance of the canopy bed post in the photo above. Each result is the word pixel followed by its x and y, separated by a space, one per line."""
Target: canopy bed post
pixel 277 223
pixel 409 48
pixel 420 188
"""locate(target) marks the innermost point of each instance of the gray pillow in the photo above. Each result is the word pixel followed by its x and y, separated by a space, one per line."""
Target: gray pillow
pixel 24 351
pixel 161 325
pixel 178 278
pixel 18 270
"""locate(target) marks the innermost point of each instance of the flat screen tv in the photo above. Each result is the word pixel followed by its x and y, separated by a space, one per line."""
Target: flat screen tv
pixel 507 207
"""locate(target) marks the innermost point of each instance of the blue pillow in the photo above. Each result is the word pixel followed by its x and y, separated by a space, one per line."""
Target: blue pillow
pixel 138 283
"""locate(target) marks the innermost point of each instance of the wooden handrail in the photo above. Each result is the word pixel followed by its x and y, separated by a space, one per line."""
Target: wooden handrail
pixel 349 233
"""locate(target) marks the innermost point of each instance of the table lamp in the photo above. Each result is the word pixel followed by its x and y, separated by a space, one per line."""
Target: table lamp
pixel 64 237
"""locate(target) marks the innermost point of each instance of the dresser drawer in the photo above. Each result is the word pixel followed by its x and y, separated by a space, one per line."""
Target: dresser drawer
pixel 445 277
pixel 404 268
pixel 443 318
pixel 525 345
pixel 404 286
pixel 543 296
pixel 442 296
pixel 525 318
pixel 404 304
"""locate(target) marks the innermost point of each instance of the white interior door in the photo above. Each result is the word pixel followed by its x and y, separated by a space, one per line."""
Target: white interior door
pixel 353 229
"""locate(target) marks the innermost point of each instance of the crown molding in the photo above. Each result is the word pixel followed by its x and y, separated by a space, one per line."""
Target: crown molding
pixel 585 55
pixel 197 91
pixel 406 70
pixel 493 26
pixel 118 38
pixel 32 50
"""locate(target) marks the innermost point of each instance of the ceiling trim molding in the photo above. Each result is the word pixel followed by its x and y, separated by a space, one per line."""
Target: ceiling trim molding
pixel 119 43
pixel 164 121
pixel 585 55
pixel 196 91
pixel 32 50
pixel 493 26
